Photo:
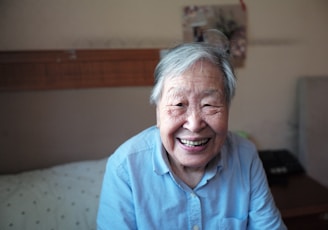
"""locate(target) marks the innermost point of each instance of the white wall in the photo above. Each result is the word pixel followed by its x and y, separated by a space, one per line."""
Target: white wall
pixel 287 40
pixel 43 128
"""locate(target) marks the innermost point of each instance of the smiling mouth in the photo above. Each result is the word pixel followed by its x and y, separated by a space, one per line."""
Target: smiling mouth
pixel 190 143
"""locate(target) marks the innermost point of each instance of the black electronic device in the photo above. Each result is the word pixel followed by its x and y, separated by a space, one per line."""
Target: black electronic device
pixel 278 164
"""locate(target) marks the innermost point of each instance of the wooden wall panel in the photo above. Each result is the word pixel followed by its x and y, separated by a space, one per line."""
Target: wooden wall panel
pixel 43 70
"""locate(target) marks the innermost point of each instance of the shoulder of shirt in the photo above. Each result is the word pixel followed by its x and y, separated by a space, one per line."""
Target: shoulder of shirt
pixel 238 149
pixel 143 142
pixel 239 144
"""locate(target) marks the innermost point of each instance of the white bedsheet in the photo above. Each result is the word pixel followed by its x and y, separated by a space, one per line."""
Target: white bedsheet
pixel 62 197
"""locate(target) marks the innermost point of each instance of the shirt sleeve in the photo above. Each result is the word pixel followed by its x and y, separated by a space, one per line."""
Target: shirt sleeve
pixel 116 209
pixel 263 213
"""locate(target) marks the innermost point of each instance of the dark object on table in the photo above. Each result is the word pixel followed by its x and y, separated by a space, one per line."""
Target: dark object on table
pixel 278 164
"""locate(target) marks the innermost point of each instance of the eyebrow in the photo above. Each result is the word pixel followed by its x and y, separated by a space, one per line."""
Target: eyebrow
pixel 210 92
pixel 176 91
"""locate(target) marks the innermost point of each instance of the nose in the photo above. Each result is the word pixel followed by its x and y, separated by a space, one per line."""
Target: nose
pixel 194 121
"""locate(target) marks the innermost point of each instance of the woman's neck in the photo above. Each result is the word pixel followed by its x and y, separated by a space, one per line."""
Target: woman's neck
pixel 189 175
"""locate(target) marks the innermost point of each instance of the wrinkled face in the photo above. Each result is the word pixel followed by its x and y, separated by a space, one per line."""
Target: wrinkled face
pixel 192 116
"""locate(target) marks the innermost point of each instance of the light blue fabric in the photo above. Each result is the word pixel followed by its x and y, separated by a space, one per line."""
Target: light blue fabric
pixel 140 191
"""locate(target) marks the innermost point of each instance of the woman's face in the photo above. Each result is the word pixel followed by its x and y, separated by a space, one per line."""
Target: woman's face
pixel 192 116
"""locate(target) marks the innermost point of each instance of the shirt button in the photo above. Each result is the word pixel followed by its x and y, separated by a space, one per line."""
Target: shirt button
pixel 193 195
pixel 196 227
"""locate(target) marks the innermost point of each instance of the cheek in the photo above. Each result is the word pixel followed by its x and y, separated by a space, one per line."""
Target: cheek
pixel 167 133
pixel 168 126
pixel 168 118
pixel 219 124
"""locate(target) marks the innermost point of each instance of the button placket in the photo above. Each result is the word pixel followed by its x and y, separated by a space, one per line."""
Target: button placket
pixel 195 212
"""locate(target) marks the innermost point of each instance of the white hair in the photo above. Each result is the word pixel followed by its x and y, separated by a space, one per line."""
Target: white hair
pixel 182 57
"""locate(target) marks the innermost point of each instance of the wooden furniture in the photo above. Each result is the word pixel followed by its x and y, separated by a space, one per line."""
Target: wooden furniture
pixel 303 203
pixel 68 69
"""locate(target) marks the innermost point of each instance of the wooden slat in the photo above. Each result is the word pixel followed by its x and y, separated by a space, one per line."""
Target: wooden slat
pixel 41 70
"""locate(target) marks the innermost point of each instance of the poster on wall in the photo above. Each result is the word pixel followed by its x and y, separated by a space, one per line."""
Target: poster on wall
pixel 229 19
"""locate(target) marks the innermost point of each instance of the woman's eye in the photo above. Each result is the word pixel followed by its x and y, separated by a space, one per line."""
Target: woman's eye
pixel 179 104
pixel 211 109
pixel 207 105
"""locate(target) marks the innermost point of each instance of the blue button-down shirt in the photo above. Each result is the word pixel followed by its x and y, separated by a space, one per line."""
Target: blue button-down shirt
pixel 140 191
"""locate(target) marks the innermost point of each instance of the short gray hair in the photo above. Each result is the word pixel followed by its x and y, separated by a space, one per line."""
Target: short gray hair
pixel 182 57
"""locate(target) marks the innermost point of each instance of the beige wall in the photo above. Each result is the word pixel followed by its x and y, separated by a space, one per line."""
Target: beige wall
pixel 287 40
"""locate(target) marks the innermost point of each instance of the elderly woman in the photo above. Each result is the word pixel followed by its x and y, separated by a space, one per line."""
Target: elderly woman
pixel 188 171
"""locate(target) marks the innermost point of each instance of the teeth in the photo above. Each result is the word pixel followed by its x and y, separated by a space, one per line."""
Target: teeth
pixel 194 143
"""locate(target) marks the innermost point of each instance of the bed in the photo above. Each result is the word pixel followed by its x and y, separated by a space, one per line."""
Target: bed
pixel 61 118
pixel 60 197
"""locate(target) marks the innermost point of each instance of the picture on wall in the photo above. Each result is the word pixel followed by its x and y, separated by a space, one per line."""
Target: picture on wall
pixel 229 19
